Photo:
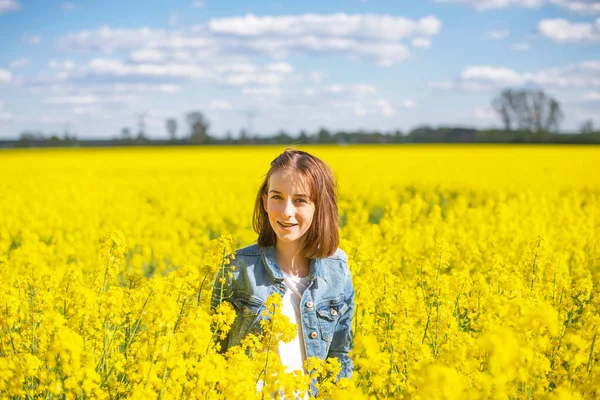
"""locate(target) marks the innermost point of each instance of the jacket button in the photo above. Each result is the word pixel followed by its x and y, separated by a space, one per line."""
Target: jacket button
pixel 333 311
pixel 245 309
pixel 309 304
pixel 313 335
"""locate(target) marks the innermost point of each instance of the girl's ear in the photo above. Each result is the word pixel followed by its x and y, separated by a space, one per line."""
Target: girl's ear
pixel 264 201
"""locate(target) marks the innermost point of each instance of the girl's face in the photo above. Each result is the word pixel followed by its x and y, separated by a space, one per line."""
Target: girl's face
pixel 289 206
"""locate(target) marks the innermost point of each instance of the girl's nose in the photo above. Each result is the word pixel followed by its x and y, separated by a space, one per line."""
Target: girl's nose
pixel 288 209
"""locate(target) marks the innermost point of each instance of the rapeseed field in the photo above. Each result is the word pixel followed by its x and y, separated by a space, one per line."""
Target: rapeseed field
pixel 476 269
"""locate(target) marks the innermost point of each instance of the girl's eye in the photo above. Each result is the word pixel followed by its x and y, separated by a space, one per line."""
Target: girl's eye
pixel 301 200
pixel 276 197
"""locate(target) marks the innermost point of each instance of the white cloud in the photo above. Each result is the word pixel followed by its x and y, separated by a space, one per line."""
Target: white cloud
pixel 560 30
pixel 147 55
pixel 198 4
pixel 385 107
pixel 377 37
pixel 485 113
pixel 316 76
pixel 67 64
pixel 108 40
pixel 7 6
pixel 357 89
pixel 219 105
pixel 249 75
pixel 92 100
pixel 261 91
pixel 50 119
pixel 521 47
pixel 244 68
pixel 31 39
pixel 359 99
pixel 385 27
pixel 163 88
pixel 483 5
pixel 422 43
pixel 385 53
pixel 579 6
pixel 408 103
pixel 499 34
pixel 72 100
pixel 111 67
pixel 5 76
pixel 368 35
pixel 591 96
pixel 19 63
pixel 485 77
pixel 280 68
pixel 489 73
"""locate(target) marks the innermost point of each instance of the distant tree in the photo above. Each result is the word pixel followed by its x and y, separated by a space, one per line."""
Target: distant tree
pixel 398 137
pixel 141 136
pixel 198 127
pixel 303 137
pixel 172 128
pixel 54 138
pixel 528 110
pixel 587 126
pixel 323 136
pixel 30 136
pixel 243 135
pixel 125 133
pixel 283 137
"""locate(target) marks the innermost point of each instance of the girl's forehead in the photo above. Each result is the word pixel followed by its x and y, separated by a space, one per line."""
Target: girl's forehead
pixel 289 181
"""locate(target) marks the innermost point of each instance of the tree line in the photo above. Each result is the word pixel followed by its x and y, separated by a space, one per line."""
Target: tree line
pixel 527 116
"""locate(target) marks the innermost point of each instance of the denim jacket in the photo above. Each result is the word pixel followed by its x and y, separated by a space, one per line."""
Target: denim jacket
pixel 326 306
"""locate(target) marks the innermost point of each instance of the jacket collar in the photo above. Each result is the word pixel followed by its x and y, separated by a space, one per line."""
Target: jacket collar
pixel 315 267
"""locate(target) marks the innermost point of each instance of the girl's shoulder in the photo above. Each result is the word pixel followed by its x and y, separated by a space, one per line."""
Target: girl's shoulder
pixel 339 254
pixel 252 250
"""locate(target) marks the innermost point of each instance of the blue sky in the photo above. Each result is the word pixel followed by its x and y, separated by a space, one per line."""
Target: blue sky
pixel 94 67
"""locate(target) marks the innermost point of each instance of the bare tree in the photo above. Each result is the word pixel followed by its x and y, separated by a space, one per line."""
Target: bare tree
pixel 530 110
pixel 198 127
pixel 172 128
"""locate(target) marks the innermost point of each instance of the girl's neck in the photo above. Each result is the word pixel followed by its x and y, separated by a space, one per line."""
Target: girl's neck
pixel 290 260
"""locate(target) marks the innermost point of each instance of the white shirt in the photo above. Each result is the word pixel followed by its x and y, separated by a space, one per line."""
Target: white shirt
pixel 293 354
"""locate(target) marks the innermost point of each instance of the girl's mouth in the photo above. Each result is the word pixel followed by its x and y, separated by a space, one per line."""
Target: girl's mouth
pixel 284 225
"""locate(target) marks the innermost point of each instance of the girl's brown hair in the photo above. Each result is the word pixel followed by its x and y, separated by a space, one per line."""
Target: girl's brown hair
pixel 322 238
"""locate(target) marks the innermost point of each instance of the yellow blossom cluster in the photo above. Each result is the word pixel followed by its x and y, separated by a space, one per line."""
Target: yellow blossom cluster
pixel 476 271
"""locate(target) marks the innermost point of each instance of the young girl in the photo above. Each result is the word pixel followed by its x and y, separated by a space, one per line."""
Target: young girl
pixel 296 218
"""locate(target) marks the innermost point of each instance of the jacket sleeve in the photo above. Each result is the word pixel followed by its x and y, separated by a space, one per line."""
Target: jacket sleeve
pixel 342 341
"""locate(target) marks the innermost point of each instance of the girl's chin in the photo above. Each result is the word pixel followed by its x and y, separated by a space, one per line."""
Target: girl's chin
pixel 288 238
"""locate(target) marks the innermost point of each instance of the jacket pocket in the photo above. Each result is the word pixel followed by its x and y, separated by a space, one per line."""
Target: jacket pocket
pixel 249 312
pixel 329 313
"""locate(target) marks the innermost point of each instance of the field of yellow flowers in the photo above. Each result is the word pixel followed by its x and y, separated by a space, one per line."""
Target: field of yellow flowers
pixel 476 269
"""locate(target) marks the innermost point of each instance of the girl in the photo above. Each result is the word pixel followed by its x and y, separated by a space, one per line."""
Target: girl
pixel 295 216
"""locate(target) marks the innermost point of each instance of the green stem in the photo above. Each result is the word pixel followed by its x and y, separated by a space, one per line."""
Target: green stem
pixel 589 366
